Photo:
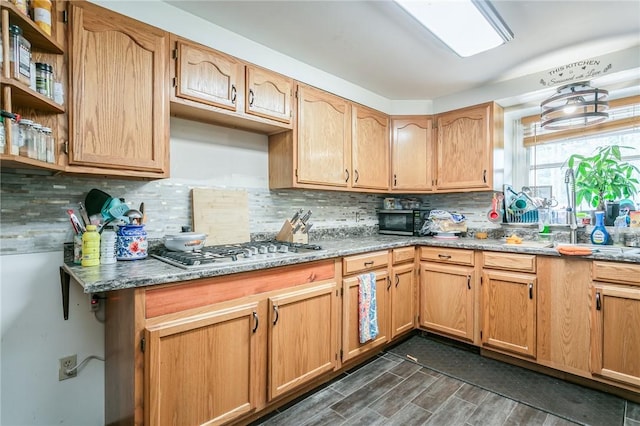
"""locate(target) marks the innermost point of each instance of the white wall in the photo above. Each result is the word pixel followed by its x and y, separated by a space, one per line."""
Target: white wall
pixel 35 335
pixel 218 156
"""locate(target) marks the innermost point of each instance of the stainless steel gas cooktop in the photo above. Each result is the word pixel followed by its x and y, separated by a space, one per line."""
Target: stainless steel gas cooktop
pixel 233 253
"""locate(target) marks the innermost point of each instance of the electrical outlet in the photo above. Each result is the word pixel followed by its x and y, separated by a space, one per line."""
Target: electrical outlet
pixel 67 363
pixel 95 303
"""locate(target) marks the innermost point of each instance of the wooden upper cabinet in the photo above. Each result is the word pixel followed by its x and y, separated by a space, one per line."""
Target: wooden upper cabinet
pixel 335 144
pixel 206 76
pixel 370 149
pixel 268 94
pixel 323 138
pixel 119 110
pixel 412 154
pixel 464 143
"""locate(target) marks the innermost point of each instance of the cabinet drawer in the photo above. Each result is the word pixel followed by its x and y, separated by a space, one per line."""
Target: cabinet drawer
pixel 509 261
pixel 206 291
pixel 447 255
pixel 616 272
pixel 404 254
pixel 363 262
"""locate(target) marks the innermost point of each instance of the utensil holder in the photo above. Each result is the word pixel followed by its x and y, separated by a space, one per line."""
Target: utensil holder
pixel 286 234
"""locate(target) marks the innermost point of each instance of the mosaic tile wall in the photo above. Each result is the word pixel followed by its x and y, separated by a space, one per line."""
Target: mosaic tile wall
pixel 33 208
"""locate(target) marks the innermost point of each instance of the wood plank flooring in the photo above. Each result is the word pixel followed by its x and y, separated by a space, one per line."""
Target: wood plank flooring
pixel 393 391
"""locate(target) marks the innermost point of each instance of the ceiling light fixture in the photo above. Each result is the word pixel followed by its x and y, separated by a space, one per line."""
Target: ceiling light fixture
pixel 574 105
pixel 467 27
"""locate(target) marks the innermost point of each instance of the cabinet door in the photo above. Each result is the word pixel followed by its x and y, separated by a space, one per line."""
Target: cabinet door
pixel 206 76
pixel 509 312
pixel 119 110
pixel 412 154
pixel 201 369
pixel 402 299
pixel 464 149
pixel 446 299
pixel 563 313
pixel 615 343
pixel 302 337
pixel 351 346
pixel 268 94
pixel 370 149
pixel 324 138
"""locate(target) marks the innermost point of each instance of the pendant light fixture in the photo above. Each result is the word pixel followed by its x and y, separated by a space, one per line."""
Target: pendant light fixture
pixel 574 105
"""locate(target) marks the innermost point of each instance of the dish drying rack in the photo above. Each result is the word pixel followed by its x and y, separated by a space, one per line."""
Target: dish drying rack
pixel 519 207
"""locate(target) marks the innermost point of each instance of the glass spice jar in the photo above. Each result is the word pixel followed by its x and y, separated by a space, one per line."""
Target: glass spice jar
pixel 26 145
pixel 42 77
pixel 50 147
pixel 19 55
pixel 41 10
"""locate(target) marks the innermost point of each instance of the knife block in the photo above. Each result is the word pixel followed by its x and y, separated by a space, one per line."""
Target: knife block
pixel 286 234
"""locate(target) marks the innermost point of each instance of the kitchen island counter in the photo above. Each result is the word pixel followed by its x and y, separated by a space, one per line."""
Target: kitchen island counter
pixel 151 271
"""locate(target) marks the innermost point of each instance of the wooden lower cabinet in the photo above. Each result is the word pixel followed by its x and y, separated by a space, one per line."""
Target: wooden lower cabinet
pixel 447 294
pixel 351 346
pixel 563 314
pixel 219 350
pixel 509 312
pixel 302 337
pixel 201 369
pixel 403 298
pixel 615 334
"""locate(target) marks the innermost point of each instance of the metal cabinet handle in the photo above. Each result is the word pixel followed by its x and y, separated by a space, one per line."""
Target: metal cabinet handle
pixel 251 96
pixel 275 309
pixel 598 301
pixel 444 256
pixel 484 175
pixel 397 280
pixel 530 290
pixel 395 180
pixel 234 93
pixel 255 318
pixel 368 263
pixel 357 175
pixel 347 172
pixel 388 283
pixel 469 282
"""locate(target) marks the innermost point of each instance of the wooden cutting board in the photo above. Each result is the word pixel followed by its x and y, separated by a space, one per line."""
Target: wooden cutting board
pixel 221 214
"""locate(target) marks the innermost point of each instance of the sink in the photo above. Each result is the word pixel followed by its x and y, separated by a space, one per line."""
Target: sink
pixel 536 244
pixel 596 248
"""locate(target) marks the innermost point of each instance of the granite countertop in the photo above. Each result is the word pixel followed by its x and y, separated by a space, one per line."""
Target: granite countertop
pixel 151 271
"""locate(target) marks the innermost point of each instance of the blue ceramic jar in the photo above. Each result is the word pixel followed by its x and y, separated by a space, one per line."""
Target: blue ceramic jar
pixel 131 242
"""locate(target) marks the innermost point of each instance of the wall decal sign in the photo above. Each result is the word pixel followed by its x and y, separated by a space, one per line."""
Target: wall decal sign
pixel 575 71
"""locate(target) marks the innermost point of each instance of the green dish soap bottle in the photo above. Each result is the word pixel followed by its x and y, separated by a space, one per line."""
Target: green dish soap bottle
pixel 599 235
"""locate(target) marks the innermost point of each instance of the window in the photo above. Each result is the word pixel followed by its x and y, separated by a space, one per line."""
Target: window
pixel 547 162
pixel 547 151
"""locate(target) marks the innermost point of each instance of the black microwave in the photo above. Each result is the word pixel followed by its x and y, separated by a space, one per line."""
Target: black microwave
pixel 402 222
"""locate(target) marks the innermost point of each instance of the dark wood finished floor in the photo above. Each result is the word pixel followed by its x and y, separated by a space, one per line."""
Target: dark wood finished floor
pixel 393 391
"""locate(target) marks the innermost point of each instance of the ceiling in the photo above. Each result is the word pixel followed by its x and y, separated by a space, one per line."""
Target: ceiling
pixel 377 46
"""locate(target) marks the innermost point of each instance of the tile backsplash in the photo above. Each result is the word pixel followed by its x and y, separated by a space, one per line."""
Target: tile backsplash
pixel 33 208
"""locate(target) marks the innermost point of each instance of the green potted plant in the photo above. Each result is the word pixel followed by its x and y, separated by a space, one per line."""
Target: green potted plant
pixel 603 176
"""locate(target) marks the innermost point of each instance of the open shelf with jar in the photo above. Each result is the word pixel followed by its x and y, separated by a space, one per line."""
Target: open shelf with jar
pixel 20 96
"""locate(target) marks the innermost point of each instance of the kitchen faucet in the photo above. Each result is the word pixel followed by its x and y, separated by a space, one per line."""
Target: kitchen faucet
pixel 570 182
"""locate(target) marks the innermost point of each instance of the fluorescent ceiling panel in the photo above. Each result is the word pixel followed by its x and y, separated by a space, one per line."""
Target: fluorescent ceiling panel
pixel 460 24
